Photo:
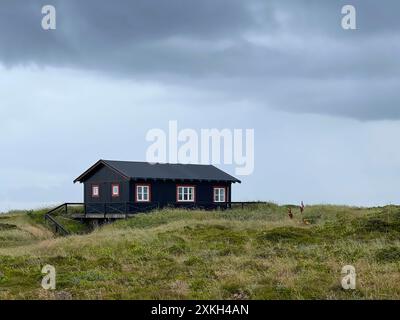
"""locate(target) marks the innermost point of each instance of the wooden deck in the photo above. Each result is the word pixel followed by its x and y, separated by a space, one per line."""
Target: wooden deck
pixel 101 216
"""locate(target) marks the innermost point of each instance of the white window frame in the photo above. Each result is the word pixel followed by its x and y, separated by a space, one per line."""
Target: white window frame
pixel 185 192
pixel 113 194
pixel 217 195
pixel 95 187
pixel 140 193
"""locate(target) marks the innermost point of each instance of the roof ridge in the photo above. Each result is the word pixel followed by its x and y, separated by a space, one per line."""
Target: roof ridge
pixel 169 163
pixel 142 169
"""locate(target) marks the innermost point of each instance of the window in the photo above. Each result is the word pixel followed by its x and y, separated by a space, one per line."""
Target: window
pixel 95 191
pixel 142 193
pixel 115 190
pixel 185 194
pixel 219 194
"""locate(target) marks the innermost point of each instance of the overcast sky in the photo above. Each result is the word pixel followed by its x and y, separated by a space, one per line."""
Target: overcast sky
pixel 323 101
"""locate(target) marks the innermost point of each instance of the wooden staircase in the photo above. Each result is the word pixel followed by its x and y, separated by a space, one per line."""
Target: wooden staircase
pixel 60 210
pixel 59 228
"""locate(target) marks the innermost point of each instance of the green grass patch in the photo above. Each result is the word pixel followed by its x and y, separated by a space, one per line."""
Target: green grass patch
pixel 251 253
pixel 389 254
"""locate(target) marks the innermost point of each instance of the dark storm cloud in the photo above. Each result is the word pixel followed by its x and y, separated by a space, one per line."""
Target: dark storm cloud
pixel 289 55
pixel 91 31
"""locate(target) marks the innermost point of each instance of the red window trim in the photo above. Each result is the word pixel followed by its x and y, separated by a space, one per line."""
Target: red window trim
pixel 219 187
pixel 112 189
pixel 185 185
pixel 98 188
pixel 142 185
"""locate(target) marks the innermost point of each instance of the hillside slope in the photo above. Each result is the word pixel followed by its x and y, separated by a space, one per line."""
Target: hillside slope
pixel 255 253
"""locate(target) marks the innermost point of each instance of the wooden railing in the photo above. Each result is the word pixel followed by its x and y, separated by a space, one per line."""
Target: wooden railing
pixel 117 208
pixel 242 204
pixel 62 209
pixel 59 228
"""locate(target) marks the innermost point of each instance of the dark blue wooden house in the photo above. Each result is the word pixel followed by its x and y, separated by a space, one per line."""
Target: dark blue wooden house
pixel 116 187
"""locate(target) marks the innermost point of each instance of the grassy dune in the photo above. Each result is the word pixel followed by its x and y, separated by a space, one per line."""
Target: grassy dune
pixel 256 253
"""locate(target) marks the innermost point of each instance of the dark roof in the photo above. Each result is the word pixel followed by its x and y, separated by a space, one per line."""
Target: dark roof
pixel 161 171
